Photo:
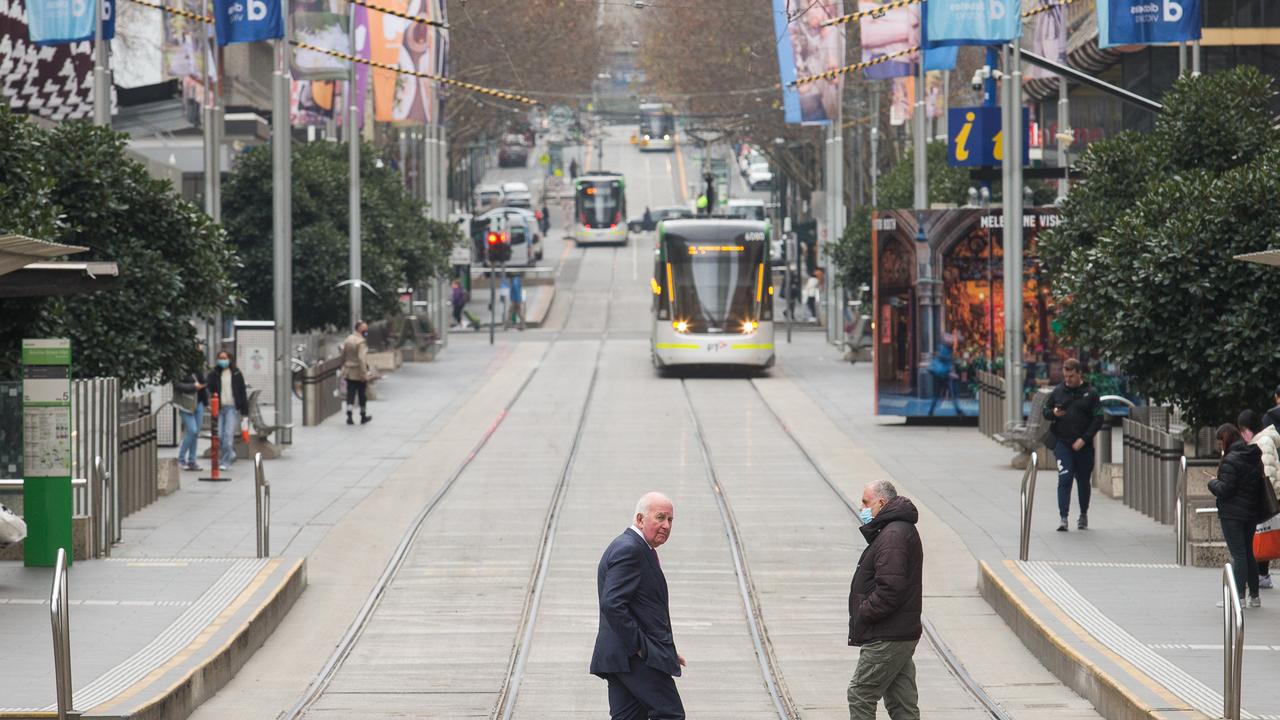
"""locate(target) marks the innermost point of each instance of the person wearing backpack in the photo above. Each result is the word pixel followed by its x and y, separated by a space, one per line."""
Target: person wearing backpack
pixel 1076 413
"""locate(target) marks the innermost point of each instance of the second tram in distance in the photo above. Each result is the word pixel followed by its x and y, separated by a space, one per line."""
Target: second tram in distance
pixel 657 127
pixel 712 294
pixel 600 209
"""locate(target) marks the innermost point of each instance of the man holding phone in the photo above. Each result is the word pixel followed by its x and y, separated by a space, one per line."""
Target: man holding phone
pixel 1076 413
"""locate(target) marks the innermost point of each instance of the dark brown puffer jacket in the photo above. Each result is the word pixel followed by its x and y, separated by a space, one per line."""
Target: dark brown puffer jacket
pixel 885 597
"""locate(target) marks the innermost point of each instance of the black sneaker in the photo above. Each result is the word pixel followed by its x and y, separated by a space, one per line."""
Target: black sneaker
pixel 1062 526
pixel 1083 522
pixel 349 420
pixel 365 418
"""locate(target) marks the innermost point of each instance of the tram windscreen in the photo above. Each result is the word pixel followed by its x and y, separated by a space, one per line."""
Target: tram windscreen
pixel 599 204
pixel 717 286
pixel 657 124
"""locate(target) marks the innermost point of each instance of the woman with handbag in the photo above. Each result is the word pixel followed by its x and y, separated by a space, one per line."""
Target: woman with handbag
pixel 1239 488
pixel 1266 541
pixel 191 398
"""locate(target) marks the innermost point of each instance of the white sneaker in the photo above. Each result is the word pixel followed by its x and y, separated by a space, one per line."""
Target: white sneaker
pixel 1255 602
pixel 1264 582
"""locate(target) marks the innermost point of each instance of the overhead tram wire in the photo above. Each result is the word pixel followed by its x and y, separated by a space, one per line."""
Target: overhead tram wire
pixel 954 666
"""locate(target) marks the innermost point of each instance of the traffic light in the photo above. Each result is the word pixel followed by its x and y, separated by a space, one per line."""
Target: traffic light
pixel 497 248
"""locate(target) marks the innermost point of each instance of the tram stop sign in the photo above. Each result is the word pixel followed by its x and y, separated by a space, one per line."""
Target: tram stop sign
pixel 46 449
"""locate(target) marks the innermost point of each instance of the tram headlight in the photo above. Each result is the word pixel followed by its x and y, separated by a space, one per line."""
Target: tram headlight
pixel 666 137
pixel 680 326
pixel 749 326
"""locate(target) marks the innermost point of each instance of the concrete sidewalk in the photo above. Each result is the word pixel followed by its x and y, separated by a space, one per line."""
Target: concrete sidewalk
pixel 1105 609
pixel 182 603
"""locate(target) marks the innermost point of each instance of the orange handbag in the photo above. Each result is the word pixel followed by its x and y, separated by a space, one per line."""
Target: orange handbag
pixel 1266 545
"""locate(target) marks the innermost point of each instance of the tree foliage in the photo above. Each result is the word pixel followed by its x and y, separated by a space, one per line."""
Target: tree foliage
pixel 1142 263
pixel 400 247
pixel 74 184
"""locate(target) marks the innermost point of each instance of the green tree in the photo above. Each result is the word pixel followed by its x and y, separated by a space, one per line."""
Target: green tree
pixel 1142 263
pixel 400 248
pixel 73 184
pixel 896 189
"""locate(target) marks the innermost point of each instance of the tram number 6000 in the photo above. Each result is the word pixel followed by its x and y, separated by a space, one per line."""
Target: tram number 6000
pixel 754 237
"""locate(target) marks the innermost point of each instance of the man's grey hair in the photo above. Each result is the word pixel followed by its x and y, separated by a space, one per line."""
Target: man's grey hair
pixel 646 501
pixel 883 489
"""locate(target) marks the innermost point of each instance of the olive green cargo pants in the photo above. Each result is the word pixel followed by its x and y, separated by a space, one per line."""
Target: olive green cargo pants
pixel 885 670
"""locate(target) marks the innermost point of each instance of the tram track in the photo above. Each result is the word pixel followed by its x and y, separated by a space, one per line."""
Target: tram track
pixel 953 664
pixel 356 630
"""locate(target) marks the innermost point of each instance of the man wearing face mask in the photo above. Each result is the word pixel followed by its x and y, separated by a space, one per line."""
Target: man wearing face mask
pixel 635 651
pixel 885 600
pixel 355 368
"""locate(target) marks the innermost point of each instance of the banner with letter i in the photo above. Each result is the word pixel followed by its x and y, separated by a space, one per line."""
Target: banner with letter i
pixel 1147 22
pixel 241 21
pixel 973 22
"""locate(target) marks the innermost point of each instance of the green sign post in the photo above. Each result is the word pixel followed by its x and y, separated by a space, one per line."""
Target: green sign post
pixel 46 446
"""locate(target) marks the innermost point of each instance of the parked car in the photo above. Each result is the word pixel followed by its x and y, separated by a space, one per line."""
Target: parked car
pixel 487 197
pixel 525 223
pixel 759 176
pixel 517 195
pixel 513 151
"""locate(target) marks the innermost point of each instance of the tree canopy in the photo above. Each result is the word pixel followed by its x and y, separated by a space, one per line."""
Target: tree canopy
pixel 74 184
pixel 400 247
pixel 1141 263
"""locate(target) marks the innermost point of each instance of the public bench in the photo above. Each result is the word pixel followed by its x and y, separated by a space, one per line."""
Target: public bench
pixel 1025 436
pixel 260 432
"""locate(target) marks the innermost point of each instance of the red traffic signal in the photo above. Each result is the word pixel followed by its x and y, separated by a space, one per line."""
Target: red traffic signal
pixel 498 247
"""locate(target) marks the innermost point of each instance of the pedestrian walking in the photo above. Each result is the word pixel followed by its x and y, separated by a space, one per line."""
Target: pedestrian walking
pixel 1238 489
pixel 885 601
pixel 573 169
pixel 458 299
pixel 356 371
pixel 1076 413
pixel 1268 441
pixel 812 287
pixel 646 221
pixel 226 381
pixel 945 379
pixel 516 293
pixel 635 651
pixel 190 396
pixel 544 220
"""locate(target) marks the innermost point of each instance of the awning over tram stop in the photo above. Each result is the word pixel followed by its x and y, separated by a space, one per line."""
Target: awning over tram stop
pixel 28 268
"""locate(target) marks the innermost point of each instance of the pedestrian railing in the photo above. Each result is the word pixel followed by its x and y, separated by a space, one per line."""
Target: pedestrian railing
pixel 320 391
pixel 1151 470
pixel 1232 645
pixel 262 506
pixel 139 465
pixel 1028 494
pixel 991 394
pixel 95 407
pixel 60 619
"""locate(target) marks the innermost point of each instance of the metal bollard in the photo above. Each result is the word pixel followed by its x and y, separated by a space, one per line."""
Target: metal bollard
pixel 1232 645
pixel 1028 495
pixel 61 625
pixel 262 507
pixel 1180 514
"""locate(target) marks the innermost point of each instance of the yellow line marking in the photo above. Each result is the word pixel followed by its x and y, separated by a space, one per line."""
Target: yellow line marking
pixel 677 346
pixel 751 346
pixel 203 638
pixel 684 182
pixel 1174 702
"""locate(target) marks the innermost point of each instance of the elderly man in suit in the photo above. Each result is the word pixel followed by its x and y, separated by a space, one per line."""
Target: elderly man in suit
pixel 635 652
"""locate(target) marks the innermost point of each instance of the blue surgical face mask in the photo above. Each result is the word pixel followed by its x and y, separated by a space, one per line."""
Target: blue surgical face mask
pixel 224 363
pixel 864 515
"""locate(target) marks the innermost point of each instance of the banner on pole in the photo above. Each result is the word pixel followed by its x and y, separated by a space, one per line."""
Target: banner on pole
pixel 59 22
pixel 885 33
pixel 241 21
pixel 1147 22
pixel 973 22
pixel 940 57
pixel 182 41
pixel 806 48
pixel 324 24
pixel 1049 40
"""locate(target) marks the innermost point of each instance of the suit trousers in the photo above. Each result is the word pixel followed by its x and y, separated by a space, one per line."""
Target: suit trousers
pixel 885 670
pixel 644 693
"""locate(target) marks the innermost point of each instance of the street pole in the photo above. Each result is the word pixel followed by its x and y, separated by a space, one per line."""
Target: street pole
pixel 1195 58
pixel 835 313
pixel 101 69
pixel 1182 58
pixel 493 301
pixel 875 144
pixel 353 200
pixel 1013 240
pixel 920 153
pixel 212 171
pixel 282 232
pixel 1013 406
pixel 1064 138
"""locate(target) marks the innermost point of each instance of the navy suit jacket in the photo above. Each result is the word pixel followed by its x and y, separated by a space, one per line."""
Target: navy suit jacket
pixel 634 609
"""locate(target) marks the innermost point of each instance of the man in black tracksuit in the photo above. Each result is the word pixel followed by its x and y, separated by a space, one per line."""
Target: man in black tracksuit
pixel 1076 413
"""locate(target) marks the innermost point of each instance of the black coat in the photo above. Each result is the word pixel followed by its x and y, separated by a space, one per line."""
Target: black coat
pixel 239 392
pixel 1238 486
pixel 635 611
pixel 886 595
pixel 1084 413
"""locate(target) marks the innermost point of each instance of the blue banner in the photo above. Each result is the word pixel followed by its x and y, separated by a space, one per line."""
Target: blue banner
pixel 241 21
pixel 786 63
pixel 58 22
pixel 1146 22
pixel 973 22
pixel 936 58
